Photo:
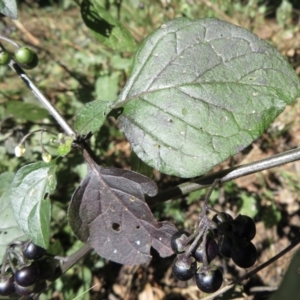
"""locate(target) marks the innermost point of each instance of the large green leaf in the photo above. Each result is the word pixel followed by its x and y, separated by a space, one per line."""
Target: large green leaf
pixel 201 91
pixel 9 8
pixel 9 229
pixel 105 28
pixel 29 199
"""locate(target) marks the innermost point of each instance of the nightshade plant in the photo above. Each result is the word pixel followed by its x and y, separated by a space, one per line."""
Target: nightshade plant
pixel 199 92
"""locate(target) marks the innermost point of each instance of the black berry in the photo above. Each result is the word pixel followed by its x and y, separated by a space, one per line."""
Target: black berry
pixel 184 269
pixel 32 251
pixel 178 241
pixel 244 227
pixel 210 280
pixel 7 284
pixel 221 218
pixel 244 254
pixel 47 266
pixel 27 275
pixel 24 290
pixel 211 250
pixel 225 246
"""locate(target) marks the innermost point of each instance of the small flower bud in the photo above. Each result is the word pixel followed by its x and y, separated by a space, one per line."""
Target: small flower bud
pixel 60 137
pixel 46 156
pixel 20 150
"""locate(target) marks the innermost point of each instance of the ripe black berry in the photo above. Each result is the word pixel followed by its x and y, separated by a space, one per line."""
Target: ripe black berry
pixel 32 251
pixel 40 286
pixel 27 275
pixel 211 250
pixel 244 227
pixel 244 254
pixel 178 241
pixel 24 290
pixel 7 284
pixel 184 269
pixel 225 246
pixel 221 218
pixel 210 280
pixel 47 266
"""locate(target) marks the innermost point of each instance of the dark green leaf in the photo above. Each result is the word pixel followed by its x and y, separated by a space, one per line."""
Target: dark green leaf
pixel 9 229
pixel 109 212
pixel 9 8
pixel 27 111
pixel 106 29
pixel 201 91
pixel 30 202
pixel 92 116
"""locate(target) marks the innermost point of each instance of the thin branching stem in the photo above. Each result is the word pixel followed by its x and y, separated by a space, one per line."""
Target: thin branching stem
pixel 12 42
pixel 39 95
pixel 225 175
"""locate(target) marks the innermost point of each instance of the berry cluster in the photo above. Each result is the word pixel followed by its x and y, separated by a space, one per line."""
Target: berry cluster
pixel 25 269
pixel 25 57
pixel 235 239
pixel 196 252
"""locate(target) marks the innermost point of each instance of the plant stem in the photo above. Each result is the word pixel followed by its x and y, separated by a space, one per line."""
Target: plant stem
pixel 39 95
pixel 225 175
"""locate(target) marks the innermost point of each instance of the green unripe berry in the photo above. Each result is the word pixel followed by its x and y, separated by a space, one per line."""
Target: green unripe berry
pixel 24 55
pixel 26 58
pixel 4 58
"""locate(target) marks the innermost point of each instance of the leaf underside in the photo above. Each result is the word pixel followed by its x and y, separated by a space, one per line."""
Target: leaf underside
pixel 201 91
pixel 109 212
pixel 29 199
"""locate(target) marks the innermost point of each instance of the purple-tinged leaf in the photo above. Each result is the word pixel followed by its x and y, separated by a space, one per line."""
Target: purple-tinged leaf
pixel 109 212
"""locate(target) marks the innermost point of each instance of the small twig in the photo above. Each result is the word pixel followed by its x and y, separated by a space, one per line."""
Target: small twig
pixel 260 289
pixel 29 134
pixel 226 175
pixel 39 95
pixel 20 26
pixel 219 12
